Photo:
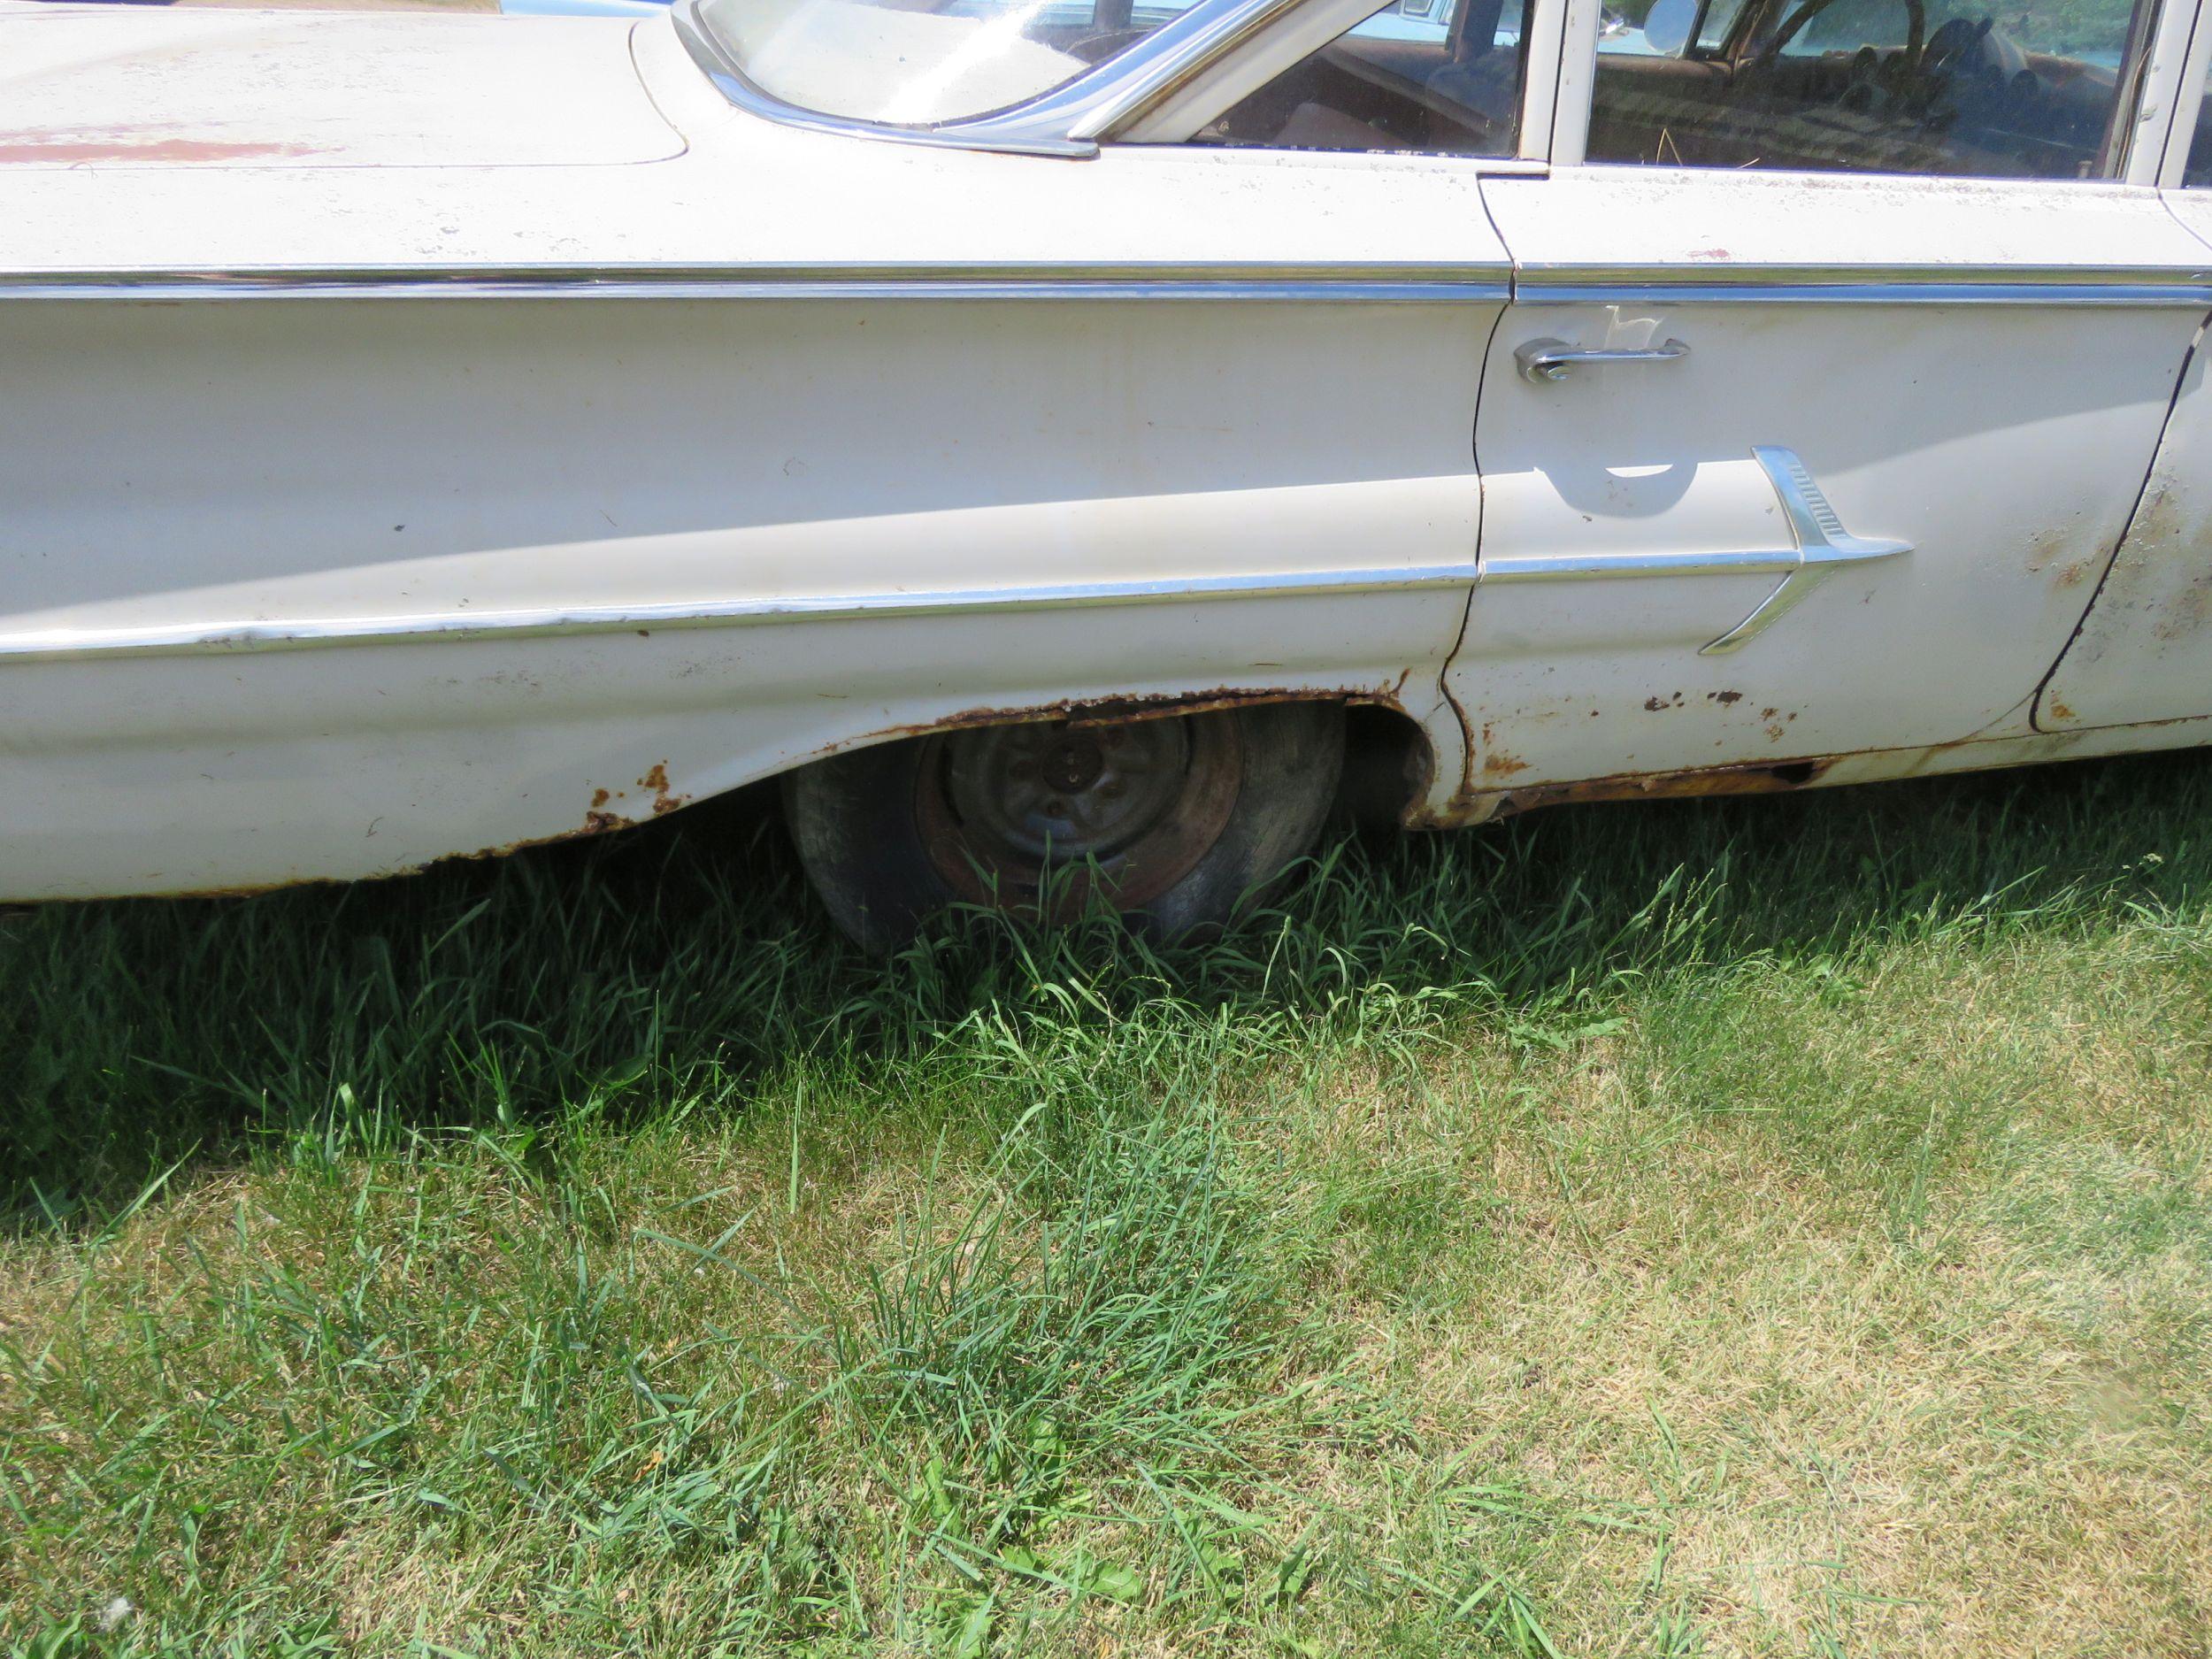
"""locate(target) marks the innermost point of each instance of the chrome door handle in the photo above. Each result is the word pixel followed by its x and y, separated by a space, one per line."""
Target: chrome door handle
pixel 1546 362
pixel 1823 546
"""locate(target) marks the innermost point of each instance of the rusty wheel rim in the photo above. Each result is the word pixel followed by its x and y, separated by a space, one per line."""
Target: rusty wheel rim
pixel 1126 807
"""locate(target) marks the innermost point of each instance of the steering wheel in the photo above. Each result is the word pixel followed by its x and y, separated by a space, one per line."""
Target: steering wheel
pixel 1916 33
pixel 1953 45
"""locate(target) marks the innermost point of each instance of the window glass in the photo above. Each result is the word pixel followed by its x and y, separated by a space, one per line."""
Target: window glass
pixel 918 62
pixel 1718 22
pixel 1440 76
pixel 2197 171
pixel 2018 88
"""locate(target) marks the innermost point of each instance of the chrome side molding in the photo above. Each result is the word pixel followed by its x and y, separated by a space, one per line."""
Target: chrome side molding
pixel 224 636
pixel 1294 284
pixel 1821 545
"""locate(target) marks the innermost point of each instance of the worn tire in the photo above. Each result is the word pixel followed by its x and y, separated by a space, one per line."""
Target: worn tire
pixel 883 849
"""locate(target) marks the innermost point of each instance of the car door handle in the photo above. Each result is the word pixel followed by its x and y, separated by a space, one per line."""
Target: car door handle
pixel 1546 362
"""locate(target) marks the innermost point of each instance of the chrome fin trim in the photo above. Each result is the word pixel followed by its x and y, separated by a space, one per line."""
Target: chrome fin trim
pixel 1824 547
pixel 1821 545
pixel 262 634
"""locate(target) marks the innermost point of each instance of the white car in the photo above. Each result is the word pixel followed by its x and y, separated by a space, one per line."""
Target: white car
pixel 1070 436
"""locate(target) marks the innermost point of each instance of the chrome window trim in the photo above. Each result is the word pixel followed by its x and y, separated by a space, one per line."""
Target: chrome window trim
pixel 2118 153
pixel 1352 284
pixel 2177 80
pixel 1065 121
pixel 230 636
pixel 1865 285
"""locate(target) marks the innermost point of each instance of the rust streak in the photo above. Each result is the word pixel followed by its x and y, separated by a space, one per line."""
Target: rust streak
pixel 1635 786
pixel 1149 706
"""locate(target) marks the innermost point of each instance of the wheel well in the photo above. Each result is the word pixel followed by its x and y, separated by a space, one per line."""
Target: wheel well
pixel 1389 760
pixel 1388 765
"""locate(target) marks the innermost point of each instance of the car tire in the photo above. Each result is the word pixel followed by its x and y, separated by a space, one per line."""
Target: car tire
pixel 1170 819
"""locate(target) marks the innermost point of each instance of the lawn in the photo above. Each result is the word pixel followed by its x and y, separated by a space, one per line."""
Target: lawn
pixel 1779 1227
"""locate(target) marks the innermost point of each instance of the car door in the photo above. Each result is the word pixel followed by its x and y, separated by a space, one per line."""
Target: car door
pixel 2144 652
pixel 1780 465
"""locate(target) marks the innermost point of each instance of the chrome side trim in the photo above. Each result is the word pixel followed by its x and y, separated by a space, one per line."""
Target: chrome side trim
pixel 255 635
pixel 1586 568
pixel 1364 284
pixel 1802 285
pixel 1372 284
pixel 1820 547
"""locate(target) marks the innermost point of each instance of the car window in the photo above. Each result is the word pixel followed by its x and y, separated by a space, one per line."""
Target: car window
pixel 1985 89
pixel 904 63
pixel 2197 171
pixel 1441 77
pixel 1717 24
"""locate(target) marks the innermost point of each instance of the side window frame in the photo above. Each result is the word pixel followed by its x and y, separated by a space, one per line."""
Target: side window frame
pixel 2175 77
pixel 1298 31
pixel 2158 115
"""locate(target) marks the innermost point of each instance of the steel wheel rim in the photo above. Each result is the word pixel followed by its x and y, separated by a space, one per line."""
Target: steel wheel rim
pixel 1127 808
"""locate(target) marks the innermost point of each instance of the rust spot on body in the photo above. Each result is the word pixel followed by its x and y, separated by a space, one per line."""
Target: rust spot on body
pixel 1657 786
pixel 1150 706
pixel 665 799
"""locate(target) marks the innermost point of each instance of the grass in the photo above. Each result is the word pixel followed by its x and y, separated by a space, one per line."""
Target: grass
pixel 1781 1226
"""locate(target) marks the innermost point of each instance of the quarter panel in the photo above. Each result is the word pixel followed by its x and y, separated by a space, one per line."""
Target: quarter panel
pixel 355 462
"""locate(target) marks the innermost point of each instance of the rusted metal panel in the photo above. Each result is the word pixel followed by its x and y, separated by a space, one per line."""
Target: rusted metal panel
pixel 2143 650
